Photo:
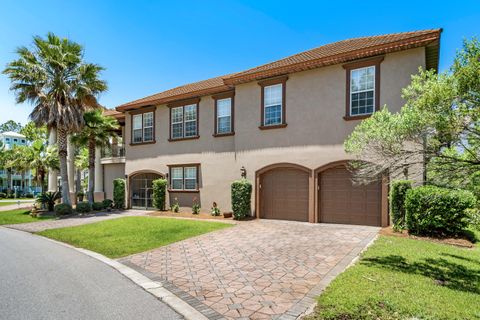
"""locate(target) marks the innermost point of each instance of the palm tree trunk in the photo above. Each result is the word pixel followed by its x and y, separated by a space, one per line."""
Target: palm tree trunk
pixel 91 169
pixel 78 181
pixel 9 180
pixel 62 156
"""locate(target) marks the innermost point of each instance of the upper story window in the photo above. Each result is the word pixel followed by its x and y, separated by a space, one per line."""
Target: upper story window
pixel 15 140
pixel 23 140
pixel 224 114
pixel 143 127
pixel 363 85
pixel 362 91
pixel 184 178
pixel 273 103
pixel 184 121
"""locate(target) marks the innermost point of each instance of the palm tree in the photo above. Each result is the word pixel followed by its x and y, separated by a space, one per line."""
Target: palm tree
pixel 97 132
pixel 60 85
pixel 41 157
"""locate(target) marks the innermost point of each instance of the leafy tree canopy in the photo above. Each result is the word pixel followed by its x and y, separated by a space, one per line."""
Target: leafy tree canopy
pixel 11 125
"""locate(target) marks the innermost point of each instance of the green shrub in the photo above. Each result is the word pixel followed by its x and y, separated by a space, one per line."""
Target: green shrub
pixel 83 207
pixel 3 195
pixel 474 217
pixel 398 191
pixel 107 203
pixel 48 199
pixel 119 193
pixel 159 193
pixel 195 206
pixel 241 198
pixel 62 209
pixel 96 206
pixel 11 196
pixel 175 206
pixel 438 211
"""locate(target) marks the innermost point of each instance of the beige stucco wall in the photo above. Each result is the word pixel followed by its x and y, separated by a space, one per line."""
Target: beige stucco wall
pixel 112 171
pixel 315 106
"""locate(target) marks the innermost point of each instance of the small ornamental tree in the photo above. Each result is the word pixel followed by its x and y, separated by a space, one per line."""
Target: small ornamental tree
pixel 159 193
pixel 119 193
pixel 398 191
pixel 241 198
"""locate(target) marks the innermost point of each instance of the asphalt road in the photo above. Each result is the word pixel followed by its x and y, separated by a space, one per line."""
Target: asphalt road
pixel 40 279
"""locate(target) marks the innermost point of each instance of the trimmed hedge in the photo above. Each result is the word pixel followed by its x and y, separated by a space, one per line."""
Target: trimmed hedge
pixel 97 206
pixel 438 211
pixel 62 209
pixel 241 198
pixel 398 191
pixel 159 193
pixel 83 207
pixel 119 193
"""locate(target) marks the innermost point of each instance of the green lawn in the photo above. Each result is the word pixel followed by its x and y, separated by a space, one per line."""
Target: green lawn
pixel 18 216
pixel 2 204
pixel 124 236
pixel 399 278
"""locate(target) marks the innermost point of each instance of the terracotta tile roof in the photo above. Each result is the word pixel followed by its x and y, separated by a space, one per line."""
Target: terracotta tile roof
pixel 338 52
pixel 334 53
pixel 113 113
pixel 196 89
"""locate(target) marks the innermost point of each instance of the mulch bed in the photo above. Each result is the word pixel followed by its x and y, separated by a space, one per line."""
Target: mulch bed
pixel 188 214
pixel 459 241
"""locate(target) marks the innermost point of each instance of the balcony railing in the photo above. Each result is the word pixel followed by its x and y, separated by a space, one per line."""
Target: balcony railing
pixel 114 151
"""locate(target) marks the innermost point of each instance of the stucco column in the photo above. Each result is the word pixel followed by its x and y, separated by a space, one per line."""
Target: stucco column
pixel 98 192
pixel 52 174
pixel 71 170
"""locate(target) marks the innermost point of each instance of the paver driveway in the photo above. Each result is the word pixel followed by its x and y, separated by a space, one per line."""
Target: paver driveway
pixel 260 269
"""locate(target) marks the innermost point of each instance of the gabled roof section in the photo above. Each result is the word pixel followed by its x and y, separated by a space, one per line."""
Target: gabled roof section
pixel 329 54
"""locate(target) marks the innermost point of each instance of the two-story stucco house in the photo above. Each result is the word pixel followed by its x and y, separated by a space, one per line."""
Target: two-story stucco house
pixel 283 122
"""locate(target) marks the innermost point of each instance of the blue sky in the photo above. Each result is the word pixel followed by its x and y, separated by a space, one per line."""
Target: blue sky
pixel 150 46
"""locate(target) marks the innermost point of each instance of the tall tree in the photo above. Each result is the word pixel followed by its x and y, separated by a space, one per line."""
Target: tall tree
pixel 98 132
pixel 11 125
pixel 60 85
pixel 32 132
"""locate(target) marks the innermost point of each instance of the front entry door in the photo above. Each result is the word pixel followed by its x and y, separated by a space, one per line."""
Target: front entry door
pixel 142 192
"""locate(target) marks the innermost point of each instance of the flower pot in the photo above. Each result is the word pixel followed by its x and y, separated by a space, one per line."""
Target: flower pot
pixel 227 215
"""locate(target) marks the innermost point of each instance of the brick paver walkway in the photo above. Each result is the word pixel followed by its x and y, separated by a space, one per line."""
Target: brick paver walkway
pixel 74 221
pixel 256 270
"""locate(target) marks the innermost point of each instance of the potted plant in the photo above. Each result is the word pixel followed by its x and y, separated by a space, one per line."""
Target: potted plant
pixel 80 196
pixel 175 206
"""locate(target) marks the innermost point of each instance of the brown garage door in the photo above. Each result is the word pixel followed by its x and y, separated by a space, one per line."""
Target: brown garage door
pixel 342 202
pixel 284 194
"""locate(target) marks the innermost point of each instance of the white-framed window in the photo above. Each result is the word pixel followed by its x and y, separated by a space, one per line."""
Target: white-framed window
pixel 224 115
pixel 362 91
pixel 184 178
pixel 142 127
pixel 184 121
pixel 176 179
pixel 272 104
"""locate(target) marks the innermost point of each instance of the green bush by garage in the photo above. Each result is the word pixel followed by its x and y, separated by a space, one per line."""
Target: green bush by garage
pixel 438 211
pixel 241 198
pixel 159 193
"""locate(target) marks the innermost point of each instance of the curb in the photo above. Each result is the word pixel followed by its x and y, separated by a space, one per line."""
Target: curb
pixel 154 288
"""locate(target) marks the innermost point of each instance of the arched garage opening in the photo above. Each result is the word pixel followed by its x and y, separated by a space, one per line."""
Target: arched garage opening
pixel 283 192
pixel 339 200
pixel 140 189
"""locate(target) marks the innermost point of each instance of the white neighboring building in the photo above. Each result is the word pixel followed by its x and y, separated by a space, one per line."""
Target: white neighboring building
pixel 10 139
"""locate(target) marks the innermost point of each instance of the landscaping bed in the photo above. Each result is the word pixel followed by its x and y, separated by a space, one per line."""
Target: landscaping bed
pixel 125 236
pixel 465 240
pixel 19 216
pixel 188 214
pixel 403 278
